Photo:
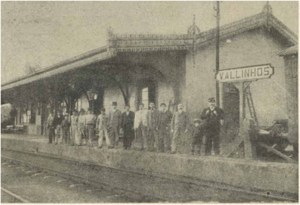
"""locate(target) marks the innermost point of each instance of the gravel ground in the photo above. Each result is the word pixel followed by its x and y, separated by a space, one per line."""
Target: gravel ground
pixel 40 187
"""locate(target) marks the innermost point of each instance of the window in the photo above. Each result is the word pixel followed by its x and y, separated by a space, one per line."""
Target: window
pixel 145 97
pixel 147 93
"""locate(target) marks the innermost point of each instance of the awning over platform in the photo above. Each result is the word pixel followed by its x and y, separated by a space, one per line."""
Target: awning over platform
pixel 62 67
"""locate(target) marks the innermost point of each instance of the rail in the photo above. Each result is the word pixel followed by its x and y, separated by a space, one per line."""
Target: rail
pixel 15 196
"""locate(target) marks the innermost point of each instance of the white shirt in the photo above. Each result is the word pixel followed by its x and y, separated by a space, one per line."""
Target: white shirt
pixel 140 117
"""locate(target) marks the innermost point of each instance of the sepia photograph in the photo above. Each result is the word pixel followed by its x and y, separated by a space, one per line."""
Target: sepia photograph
pixel 149 102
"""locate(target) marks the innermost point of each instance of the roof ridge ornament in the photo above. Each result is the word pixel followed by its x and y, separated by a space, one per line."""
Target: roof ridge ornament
pixel 193 29
pixel 110 32
pixel 268 11
pixel 267 8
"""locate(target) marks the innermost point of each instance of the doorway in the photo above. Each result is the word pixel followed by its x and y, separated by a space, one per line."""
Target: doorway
pixel 98 103
pixel 147 93
pixel 231 106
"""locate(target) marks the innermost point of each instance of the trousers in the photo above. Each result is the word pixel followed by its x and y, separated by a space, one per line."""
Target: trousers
pixel 58 133
pixel 152 138
pixel 128 137
pixel 51 134
pixel 66 135
pixel 141 133
pixel 177 133
pixel 164 141
pixel 73 134
pixel 104 132
pixel 114 136
pixel 90 133
pixel 212 142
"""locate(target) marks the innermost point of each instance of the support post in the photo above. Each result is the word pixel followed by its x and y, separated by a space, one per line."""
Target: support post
pixel 244 123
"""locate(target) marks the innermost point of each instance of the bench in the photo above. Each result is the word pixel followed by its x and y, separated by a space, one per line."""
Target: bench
pixel 9 128
pixel 19 128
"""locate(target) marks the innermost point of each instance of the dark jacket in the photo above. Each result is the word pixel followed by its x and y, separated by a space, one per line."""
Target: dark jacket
pixel 65 123
pixel 127 120
pixel 115 119
pixel 165 119
pixel 57 120
pixel 180 121
pixel 212 118
pixel 152 119
pixel 198 132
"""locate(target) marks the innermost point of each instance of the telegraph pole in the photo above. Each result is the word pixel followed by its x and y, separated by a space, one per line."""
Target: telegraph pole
pixel 218 52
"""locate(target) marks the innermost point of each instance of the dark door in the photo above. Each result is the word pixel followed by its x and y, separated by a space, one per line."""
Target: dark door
pixel 98 103
pixel 231 105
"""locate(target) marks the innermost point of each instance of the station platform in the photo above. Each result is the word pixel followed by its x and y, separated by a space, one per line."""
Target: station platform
pixel 247 174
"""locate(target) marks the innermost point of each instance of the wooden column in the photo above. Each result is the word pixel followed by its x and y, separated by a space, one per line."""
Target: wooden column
pixel 249 149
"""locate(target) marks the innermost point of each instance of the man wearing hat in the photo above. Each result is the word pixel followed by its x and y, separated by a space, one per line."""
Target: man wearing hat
pixel 65 125
pixel 127 126
pixel 165 117
pixel 179 125
pixel 140 126
pixel 214 117
pixel 90 124
pixel 81 127
pixel 74 122
pixel 115 120
pixel 51 127
pixel 152 125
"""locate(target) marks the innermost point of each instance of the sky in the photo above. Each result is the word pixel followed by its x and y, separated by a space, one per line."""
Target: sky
pixel 45 33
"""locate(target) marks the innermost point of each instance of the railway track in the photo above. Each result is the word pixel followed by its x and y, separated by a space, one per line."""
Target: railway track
pixel 143 187
pixel 12 196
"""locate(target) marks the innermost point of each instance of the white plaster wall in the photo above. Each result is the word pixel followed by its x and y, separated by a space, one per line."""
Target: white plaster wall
pixel 251 48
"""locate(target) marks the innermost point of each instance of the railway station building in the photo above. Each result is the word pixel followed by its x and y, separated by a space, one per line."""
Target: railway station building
pixel 171 69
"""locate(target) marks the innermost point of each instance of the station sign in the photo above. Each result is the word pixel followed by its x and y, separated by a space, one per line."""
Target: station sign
pixel 249 73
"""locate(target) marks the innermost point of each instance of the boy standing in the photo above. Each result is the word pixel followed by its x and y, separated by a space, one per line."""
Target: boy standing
pixel 197 135
pixel 102 127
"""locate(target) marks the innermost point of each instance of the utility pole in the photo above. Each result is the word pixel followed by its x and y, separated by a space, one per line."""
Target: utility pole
pixel 218 52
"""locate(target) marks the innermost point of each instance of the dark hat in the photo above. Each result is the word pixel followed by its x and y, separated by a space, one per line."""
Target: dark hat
pixel 163 104
pixel 102 109
pixel 90 109
pixel 82 110
pixel 197 120
pixel 211 100
pixel 75 111
pixel 114 103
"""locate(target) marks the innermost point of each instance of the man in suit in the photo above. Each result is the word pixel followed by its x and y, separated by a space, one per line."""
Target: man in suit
pixel 65 125
pixel 115 119
pixel 140 125
pixel 51 127
pixel 214 117
pixel 127 126
pixel 165 117
pixel 179 125
pixel 102 127
pixel 90 125
pixel 81 127
pixel 152 120
pixel 74 126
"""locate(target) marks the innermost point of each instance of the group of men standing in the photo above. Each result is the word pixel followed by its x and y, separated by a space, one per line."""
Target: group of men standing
pixel 153 129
